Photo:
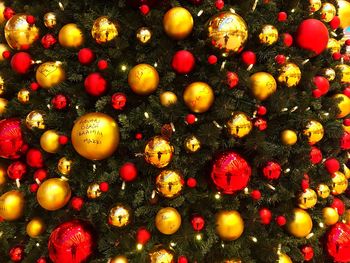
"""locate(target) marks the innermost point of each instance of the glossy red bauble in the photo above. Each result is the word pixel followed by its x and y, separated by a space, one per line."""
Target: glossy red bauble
pixel 338 205
pixel 272 170
pixel 191 182
pixel 16 253
pixel 190 118
pixel 287 39
pixel 143 236
pixel 183 62
pixel 16 170
pixel 248 58
pixel 34 158
pixel 104 187
pixel 59 102
pixel 102 64
pixel 321 83
pixel 138 3
pixel 338 242
pixel 21 62
pixel 118 101
pixel 332 165
pixel 281 220
pixel 256 195
pixel 335 23
pixel 95 84
pixel 86 56
pixel 48 40
pixel 11 139
pixel 128 172
pixel 315 155
pixel 265 216
pixel 197 222
pixel 77 203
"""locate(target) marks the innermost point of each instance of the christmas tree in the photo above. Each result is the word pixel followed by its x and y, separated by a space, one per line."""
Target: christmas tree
pixel 174 131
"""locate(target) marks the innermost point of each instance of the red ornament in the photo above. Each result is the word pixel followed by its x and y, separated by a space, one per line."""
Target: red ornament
pixel 232 79
pixel 40 175
pixel 337 56
pixel 143 236
pixel 312 35
pixel 335 22
pixel 347 42
pixel 316 93
pixel 190 118
pixel 260 123
pixel 308 252
pixel 16 170
pixel 281 220
pixel 34 86
pixel 230 172
pixel 197 222
pixel 338 242
pixel 212 59
pixel 282 16
pixel 8 13
pixel 63 140
pixel 248 58
pixel 33 188
pixel 321 84
pixel 59 102
pixel 16 253
pixel 338 205
pixel 102 64
pixel 128 172
pixel 347 92
pixel 332 165
pixel 182 259
pixel 191 182
pixel 144 9
pixel 315 155
pixel 265 216
pixel 305 184
pixel 256 195
pixel 21 62
pixel 183 62
pixel 48 40
pixel 6 54
pixel 11 139
pixel 30 19
pixel 95 84
pixel 280 59
pixel 346 122
pixel 261 110
pixel 86 56
pixel 219 4
pixel 345 141
pixel 118 101
pixel 41 260
pixel 287 39
pixel 34 158
pixel 104 186
pixel 272 170
pixel 77 203
pixel 138 136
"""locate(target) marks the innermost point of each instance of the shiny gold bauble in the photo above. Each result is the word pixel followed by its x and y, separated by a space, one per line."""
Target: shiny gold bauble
pixel 333 46
pixel 178 23
pixel 192 144
pixel 70 36
pixel 143 79
pixel 2 9
pixel 290 75
pixel 343 103
pixel 344 72
pixel 346 128
pixel 198 97
pixel 347 216
pixel 168 98
pixel 2 85
pixel 307 199
pixel 119 259
pixel 315 5
pixel 3 47
pixel 330 216
pixel 323 191
pixel 104 30
pixel 268 35
pixel 161 255
pixel 228 32
pixel 262 85
pixel 339 183
pixel 3 175
pixel 328 12
pixel 95 136
pixel 169 183
pixel 330 74
pixel 119 216
pixel 314 131
pixel 168 220
pixel 239 125
pixel 64 166
pixel 143 35
pixel 284 258
pixel 344 13
pixel 19 33
pixel 93 191
pixel 49 141
pixel 35 227
pixel 158 152
pixel 50 74
pixel 11 205
pixel 301 225
pixel 53 194
pixel 3 105
pixel 35 119
pixel 346 171
pixel 50 20
pixel 23 96
pixel 289 137
pixel 229 225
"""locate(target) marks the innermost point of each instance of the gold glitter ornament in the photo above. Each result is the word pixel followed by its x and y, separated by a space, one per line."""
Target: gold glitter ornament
pixel 119 216
pixel 169 183
pixel 144 35
pixel 104 30
pixel 158 152
pixel 268 35
pixel 192 144
pixel 35 119
pixel 239 125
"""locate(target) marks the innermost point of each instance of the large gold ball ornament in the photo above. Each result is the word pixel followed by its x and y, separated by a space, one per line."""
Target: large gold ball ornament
pixel 50 74
pixel 268 35
pixel 284 258
pixel 35 227
pixel 93 191
pixel 144 35
pixel 229 225
pixel 178 23
pixel 23 96
pixel 330 216
pixel 339 183
pixel 95 136
pixel 169 183
pixel 168 220
pixel 64 165
pixel 330 74
pixel 333 46
pixel 49 141
pixel 198 97
pixel 11 205
pixel 328 12
pixel 192 144
pixel 53 194
pixel 167 98
pixel 158 152
pixel 50 20
pixel 3 175
pixel 239 125
pixel 289 75
pixel 119 259
pixel 227 32
pixel 344 72
pixel 119 216
pixel 262 85
pixel 2 9
pixel 301 225
pixel 343 103
pixel 161 255
pixel 143 79
pixel 323 191
pixel 344 13
pixel 307 199
pixel 289 137
pixel 104 30
pixel 35 119
pixel 3 47
pixel 70 36
pixel 19 33
pixel 315 5
pixel 3 105
pixel 314 131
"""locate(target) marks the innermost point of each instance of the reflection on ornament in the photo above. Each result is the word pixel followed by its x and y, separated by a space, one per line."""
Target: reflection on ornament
pixel 144 35
pixel 268 35
pixel 333 46
pixel 23 96
pixel 158 152
pixel 50 20
pixel 104 30
pixel 330 74
pixel 323 191
pixel 35 119
pixel 64 166
pixel 93 191
pixel 161 255
pixel 119 216
pixel 239 125
pixel 169 183
pixel 290 75
pixel 339 183
pixel 192 144
pixel 307 199
pixel 328 12
pixel 314 131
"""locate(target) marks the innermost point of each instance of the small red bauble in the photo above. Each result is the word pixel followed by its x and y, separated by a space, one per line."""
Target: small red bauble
pixel 305 184
pixel 190 118
pixel 287 39
pixel 41 260
pixel 345 141
pixel 11 139
pixel 16 253
pixel 347 42
pixel 338 242
pixel 102 64
pixel 337 56
pixel 34 158
pixel 282 16
pixel 335 22
pixel 347 92
pixel 104 186
pixel 138 136
pixel 260 123
pixel 21 62
pixel 118 101
pixel 212 59
pixel 40 175
pixel 308 252
pixel 261 110
pixel 316 93
pixel 281 220
pixel 219 4
pixel 265 216
pixel 63 140
pixel 33 188
pixel 248 58
pixel 232 79
pixel 332 165
pixel 272 170
pixel 77 203
pixel 86 56
pixel 144 9
pixel 321 84
pixel 128 172
pixel 48 40
pixel 95 84
pixel 143 236
pixel 338 205
pixel 256 195
pixel 8 13
pixel 34 86
pixel 6 54
pixel 346 122
pixel 191 182
pixel 183 62
pixel 280 59
pixel 197 222
pixel 30 19
pixel 59 102
pixel 16 170
pixel 315 155
pixel 182 259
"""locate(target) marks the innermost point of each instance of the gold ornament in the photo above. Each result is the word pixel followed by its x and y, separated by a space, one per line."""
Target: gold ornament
pixel 343 103
pixel 64 166
pixel 23 96
pixel 347 216
pixel 192 144
pixel 229 225
pixel 328 12
pixel 198 97
pixel 301 225
pixel 239 125
pixel 35 119
pixel 323 191
pixel 268 35
pixel 346 128
pixel 70 36
pixel 314 131
pixel 49 141
pixel 333 46
pixel 93 191
pixel 346 171
pixel 144 35
pixel 161 255
pixel 3 105
pixel 53 194
pixel 262 85
pixel 307 199
pixel 19 33
pixel 339 183
pixel 290 75
pixel 2 9
pixel 330 216
pixel 169 183
pixel 118 259
pixel 50 74
pixel 178 23
pixel 284 258
pixel 315 5
pixel 227 32
pixel 35 227
pixel 11 205
pixel 143 79
pixel 95 136
pixel 50 20
pixel 2 85
pixel 344 72
pixel 289 137
pixel 344 13
pixel 119 216
pixel 329 73
pixel 168 220
pixel 158 152
pixel 3 47
pixel 104 30
pixel 3 175
pixel 168 98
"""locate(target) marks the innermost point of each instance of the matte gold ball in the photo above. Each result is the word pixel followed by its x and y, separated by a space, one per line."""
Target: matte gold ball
pixel 11 205
pixel 330 74
pixel 239 125
pixel 49 141
pixel 95 136
pixel 119 216
pixel 333 46
pixel 301 225
pixel 330 216
pixel 307 199
pixel 323 191
pixel 344 13
pixel 23 96
pixel 168 220
pixel 289 137
pixel 35 119
pixel 328 12
pixel 198 97
pixel 3 47
pixel 119 259
pixel 3 105
pixel 64 166
pixel 229 225
pixel 343 103
pixel 144 35
pixel 70 36
pixel 161 255
pixel 192 144
pixel 3 175
pixel 50 20
pixel 314 131
pixel 268 35
pixel 315 5
pixel 339 183
pixel 104 30
pixel 290 75
pixel 158 152
pixel 178 23
pixel 169 183
pixel 50 74
pixel 284 258
pixel 53 194
pixel 262 85
pixel 168 98
pixel 93 191
pixel 35 227
pixel 143 79
pixel 343 71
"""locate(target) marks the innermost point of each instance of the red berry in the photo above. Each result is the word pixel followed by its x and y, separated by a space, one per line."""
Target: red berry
pixel 219 4
pixel 77 203
pixel 256 195
pixel 143 236
pixel 86 56
pixel 33 188
pixel 21 62
pixel 212 59
pixel 190 118
pixel 280 59
pixel 63 140
pixel 261 110
pixel 315 155
pixel 144 9
pixel 16 253
pixel 332 165
pixel 191 182
pixel 102 64
pixel 34 158
pixel 104 186
pixel 282 16
pixel 281 220
pixel 138 136
pixel 128 172
pixel 34 86
pixel 95 84
pixel 41 260
pixel 336 56
pixel 30 19
pixel 6 54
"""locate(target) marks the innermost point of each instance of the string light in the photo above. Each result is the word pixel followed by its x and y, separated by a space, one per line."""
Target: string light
pixel 146 115
pixel 222 245
pixel 139 246
pixel 200 13
pixel 321 225
pixel 246 190
pixel 37 244
pixel 77 107
pixel 61 6
pixel 155 64
pixel 254 239
pixel 123 185
pixel 94 167
pixel 232 10
pixel 217 196
pixel 48 106
pixel 199 237
pixel 217 125
pixel 123 68
pixel 172 244
pixel 309 235
pixel 287 170
pixel 223 64
pixel 255 4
